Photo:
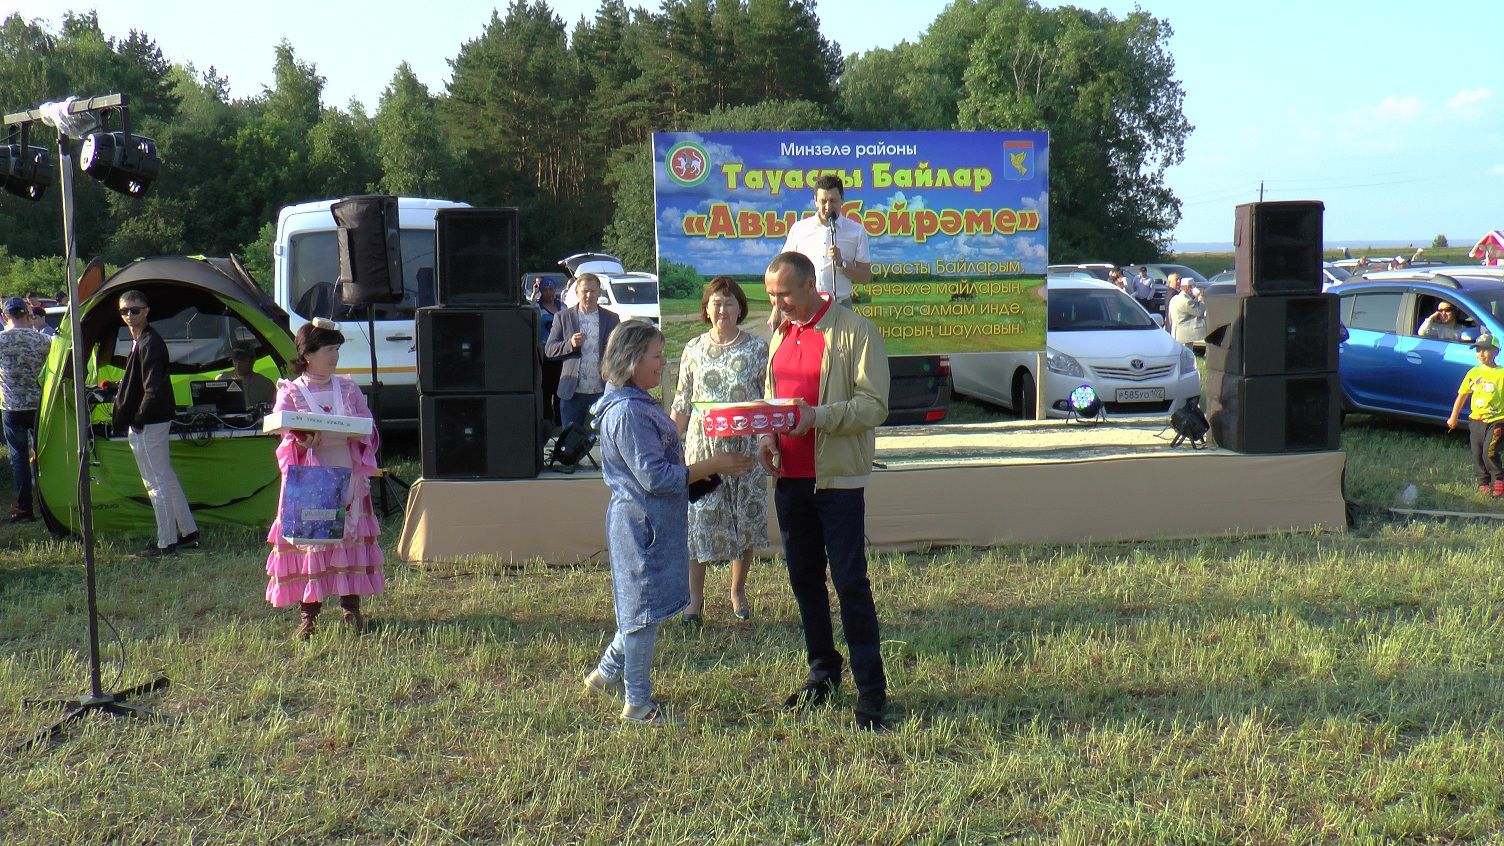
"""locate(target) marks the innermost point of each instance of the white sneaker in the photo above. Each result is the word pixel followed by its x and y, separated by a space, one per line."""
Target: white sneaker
pixel 597 683
pixel 652 713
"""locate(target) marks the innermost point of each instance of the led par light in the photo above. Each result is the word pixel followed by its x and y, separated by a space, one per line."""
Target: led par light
pixel 25 171
pixel 123 162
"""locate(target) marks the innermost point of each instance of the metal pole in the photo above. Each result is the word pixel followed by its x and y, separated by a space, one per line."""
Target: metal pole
pixel 81 408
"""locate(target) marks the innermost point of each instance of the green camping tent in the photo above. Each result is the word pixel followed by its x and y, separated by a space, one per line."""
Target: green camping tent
pixel 202 308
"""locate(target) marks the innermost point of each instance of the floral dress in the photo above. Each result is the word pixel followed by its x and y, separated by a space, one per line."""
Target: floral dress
pixel 734 517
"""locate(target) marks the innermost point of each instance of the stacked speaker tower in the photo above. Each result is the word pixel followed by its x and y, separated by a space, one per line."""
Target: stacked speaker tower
pixel 479 380
pixel 1271 348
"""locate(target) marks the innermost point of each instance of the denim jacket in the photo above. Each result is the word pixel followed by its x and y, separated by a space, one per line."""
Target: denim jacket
pixel 647 522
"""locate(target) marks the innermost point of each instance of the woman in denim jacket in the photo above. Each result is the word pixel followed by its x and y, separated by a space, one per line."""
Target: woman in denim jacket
pixel 647 522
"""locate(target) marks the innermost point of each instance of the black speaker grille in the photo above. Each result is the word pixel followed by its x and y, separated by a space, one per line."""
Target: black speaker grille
pixel 486 436
pixel 1278 247
pixel 478 350
pixel 477 257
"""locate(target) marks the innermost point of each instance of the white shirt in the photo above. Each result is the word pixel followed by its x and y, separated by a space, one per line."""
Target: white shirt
pixel 810 237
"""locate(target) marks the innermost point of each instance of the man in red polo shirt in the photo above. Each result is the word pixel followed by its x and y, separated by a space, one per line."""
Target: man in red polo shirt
pixel 832 361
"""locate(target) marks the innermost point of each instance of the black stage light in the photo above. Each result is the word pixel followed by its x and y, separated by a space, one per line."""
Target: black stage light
pixel 1085 404
pixel 1190 424
pixel 571 447
pixel 25 170
pixel 124 162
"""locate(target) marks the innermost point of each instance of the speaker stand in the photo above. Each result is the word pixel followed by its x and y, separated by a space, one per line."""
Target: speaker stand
pixel 388 485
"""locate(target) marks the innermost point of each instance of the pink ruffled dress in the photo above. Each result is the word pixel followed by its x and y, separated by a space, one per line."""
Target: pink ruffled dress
pixel 354 566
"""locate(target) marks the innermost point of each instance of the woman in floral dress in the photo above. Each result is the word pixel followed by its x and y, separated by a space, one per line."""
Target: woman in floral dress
pixel 725 364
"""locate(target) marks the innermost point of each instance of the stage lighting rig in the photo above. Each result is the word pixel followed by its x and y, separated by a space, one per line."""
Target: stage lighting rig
pixel 25 170
pixel 123 162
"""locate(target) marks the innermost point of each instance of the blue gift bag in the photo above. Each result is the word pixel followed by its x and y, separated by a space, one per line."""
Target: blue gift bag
pixel 313 505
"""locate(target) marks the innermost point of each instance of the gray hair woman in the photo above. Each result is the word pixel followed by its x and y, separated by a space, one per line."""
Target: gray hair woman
pixel 647 523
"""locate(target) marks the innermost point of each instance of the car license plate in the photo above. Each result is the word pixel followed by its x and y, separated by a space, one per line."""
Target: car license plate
pixel 1141 394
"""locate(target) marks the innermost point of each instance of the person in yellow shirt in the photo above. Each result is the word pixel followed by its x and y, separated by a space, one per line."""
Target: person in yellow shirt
pixel 1484 387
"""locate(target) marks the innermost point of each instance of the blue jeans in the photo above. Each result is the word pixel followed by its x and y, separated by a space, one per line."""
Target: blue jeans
pixel 828 528
pixel 20 432
pixel 576 409
pixel 629 657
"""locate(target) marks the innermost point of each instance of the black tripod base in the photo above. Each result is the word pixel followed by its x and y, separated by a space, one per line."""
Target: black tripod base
pixel 112 704
pixel 389 493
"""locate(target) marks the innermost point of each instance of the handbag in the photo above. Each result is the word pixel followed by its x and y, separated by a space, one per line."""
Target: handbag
pixel 313 505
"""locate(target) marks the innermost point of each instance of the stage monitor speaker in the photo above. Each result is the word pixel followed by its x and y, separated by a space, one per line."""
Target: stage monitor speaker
pixel 481 436
pixel 477 257
pixel 370 250
pixel 478 350
pixel 1272 336
pixel 1278 247
pixel 1272 414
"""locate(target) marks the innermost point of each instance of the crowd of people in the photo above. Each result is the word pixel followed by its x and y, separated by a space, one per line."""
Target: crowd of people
pixel 681 500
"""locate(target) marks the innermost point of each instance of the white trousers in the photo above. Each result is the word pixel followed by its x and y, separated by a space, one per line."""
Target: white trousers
pixel 168 502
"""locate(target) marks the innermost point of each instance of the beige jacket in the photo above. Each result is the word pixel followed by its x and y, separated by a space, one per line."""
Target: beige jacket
pixel 853 397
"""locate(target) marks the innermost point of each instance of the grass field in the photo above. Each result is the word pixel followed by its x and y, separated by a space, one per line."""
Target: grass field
pixel 1301 688
pixel 1298 688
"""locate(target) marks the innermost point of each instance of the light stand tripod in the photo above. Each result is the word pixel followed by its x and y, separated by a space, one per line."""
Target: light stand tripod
pixel 96 700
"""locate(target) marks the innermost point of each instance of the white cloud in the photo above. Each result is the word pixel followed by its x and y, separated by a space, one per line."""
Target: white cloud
pixel 1469 101
pixel 1405 109
pixel 1496 170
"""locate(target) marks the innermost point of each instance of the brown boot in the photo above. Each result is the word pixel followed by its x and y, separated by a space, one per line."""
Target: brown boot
pixel 308 614
pixel 349 607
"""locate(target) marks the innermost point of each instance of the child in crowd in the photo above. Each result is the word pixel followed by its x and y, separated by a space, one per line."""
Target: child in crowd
pixel 303 575
pixel 1484 385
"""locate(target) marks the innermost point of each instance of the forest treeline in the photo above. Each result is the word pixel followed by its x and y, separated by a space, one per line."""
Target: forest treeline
pixel 555 119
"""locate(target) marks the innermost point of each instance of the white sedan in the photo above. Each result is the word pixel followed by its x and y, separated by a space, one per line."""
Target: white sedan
pixel 1097 336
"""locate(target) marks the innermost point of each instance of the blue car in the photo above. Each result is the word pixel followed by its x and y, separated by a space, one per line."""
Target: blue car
pixel 1387 364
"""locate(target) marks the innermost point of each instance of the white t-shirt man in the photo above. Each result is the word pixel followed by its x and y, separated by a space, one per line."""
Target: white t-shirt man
pixel 812 238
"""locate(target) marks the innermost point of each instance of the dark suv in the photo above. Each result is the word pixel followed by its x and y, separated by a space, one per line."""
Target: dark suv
pixel 1386 364
pixel 919 389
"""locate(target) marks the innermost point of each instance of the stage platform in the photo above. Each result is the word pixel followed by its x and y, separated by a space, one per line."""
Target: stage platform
pixel 966 485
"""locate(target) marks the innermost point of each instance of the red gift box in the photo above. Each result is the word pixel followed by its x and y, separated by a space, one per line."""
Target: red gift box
pixel 738 419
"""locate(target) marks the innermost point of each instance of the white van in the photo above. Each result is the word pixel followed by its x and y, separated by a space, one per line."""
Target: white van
pixel 305 259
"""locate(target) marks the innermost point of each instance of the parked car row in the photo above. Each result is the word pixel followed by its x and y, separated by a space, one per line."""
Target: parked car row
pixel 1095 335
pixel 1386 364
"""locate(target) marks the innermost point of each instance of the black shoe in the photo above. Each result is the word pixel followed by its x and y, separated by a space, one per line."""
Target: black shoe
pixel 154 551
pixel 870 708
pixel 815 692
pixel 20 515
pixel 188 541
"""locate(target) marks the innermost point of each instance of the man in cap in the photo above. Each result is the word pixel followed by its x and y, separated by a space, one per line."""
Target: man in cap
pixel 1483 386
pixel 23 351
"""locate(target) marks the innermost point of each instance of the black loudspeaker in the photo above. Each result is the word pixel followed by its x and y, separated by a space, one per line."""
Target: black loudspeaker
pixel 478 350
pixel 1271 336
pixel 1270 414
pixel 370 250
pixel 1278 247
pixel 477 257
pixel 481 436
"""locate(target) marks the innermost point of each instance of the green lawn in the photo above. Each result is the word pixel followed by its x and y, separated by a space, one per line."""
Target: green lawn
pixel 1336 688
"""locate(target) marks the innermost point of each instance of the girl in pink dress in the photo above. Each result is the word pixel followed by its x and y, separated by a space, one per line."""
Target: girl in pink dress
pixel 350 568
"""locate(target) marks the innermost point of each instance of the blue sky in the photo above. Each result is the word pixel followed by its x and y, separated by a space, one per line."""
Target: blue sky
pixel 1389 113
